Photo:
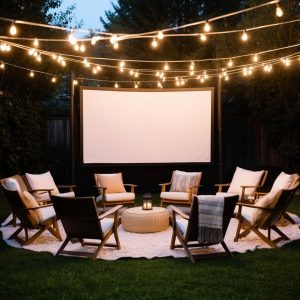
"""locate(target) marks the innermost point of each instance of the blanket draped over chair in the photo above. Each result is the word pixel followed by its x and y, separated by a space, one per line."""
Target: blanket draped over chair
pixel 210 220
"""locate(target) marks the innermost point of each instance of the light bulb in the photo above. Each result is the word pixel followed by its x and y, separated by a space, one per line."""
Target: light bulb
pixel 2 65
pixel 136 74
pixel 206 27
pixel 113 39
pixel 63 63
pixel 159 84
pixel 31 51
pixel 192 73
pixel 82 48
pixel 36 42
pixel 95 71
pixel 230 63
pixel 94 40
pixel 131 72
pixel 160 35
pixel 122 64
pixel 226 77
pixel 192 66
pixel 98 68
pixel 116 45
pixel 244 36
pixel 72 38
pixel 279 11
pixel 166 67
pixel 31 74
pixel 136 85
pixel 116 85
pixel 76 47
pixel 54 56
pixel 39 58
pixel 53 79
pixel 203 37
pixel 255 58
pixel 154 43
pixel 86 63
pixel 75 82
pixel 13 29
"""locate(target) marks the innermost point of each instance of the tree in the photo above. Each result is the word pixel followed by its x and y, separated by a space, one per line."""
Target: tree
pixel 22 118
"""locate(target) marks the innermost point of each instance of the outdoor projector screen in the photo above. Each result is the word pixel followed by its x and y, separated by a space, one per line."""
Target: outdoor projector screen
pixel 144 127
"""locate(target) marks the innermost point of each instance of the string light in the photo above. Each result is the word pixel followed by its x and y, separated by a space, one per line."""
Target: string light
pixel 116 85
pixel 203 37
pixel 95 71
pixel 5 48
pixel 154 43
pixel 160 35
pixel 39 58
pixel 53 79
pixel 230 63
pixel 86 63
pixel 136 85
pixel 206 27
pixel 166 67
pixel 226 78
pixel 13 29
pixel 116 45
pixel 31 74
pixel 286 62
pixel 255 58
pixel 75 82
pixel 98 68
pixel 76 47
pixel 36 42
pixel 122 64
pixel 279 11
pixel 192 66
pixel 82 48
pixel 2 66
pixel 72 38
pixel 244 36
pixel 159 84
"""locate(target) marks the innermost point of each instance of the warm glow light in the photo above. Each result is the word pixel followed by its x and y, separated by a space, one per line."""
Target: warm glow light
pixel 63 63
pixel 192 66
pixel 76 47
pixel 39 58
pixel 72 38
pixel 95 71
pixel 31 74
pixel 36 42
pixel 116 45
pixel 2 65
pixel 206 27
pixel 160 35
pixel 86 63
pixel 131 72
pixel 244 36
pixel 255 58
pixel 82 48
pixel 226 77
pixel 136 74
pixel 75 82
pixel 53 79
pixel 98 68
pixel 54 56
pixel 113 39
pixel 122 64
pixel 159 84
pixel 203 37
pixel 13 29
pixel 116 85
pixel 136 85
pixel 279 11
pixel 230 63
pixel 166 67
pixel 154 43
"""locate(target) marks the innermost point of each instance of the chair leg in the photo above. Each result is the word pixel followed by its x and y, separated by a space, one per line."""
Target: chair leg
pixel 55 230
pixel 238 229
pixel 276 229
pixel 117 237
pixel 36 235
pixel 226 249
pixel 66 241
pixel 264 238
pixel 287 217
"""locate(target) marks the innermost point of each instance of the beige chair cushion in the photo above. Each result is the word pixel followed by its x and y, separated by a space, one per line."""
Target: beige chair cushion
pixel 282 182
pixel 181 181
pixel 175 196
pixel 12 184
pixel 113 182
pixel 42 181
pixel 117 197
pixel 267 200
pixel 244 177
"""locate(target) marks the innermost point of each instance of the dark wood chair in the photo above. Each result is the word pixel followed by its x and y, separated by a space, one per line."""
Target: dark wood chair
pixel 38 217
pixel 267 218
pixel 186 228
pixel 81 220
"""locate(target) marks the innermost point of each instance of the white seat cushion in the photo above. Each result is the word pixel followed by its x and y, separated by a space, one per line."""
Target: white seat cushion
pixel 117 197
pixel 46 213
pixel 112 182
pixel 174 195
pixel 182 225
pixel 106 224
pixel 42 181
pixel 181 181
pixel 244 177
pixel 247 213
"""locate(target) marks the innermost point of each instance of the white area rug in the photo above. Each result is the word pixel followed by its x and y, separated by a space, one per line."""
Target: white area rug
pixel 153 245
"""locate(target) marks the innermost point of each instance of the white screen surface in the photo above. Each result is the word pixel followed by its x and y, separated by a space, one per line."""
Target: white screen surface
pixel 120 126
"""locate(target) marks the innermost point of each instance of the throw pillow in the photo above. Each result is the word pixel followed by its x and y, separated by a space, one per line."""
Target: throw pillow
pixel 12 184
pixel 182 181
pixel 30 202
pixel 282 182
pixel 42 181
pixel 112 182
pixel 244 177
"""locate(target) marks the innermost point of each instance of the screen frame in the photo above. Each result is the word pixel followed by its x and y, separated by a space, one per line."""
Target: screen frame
pixel 211 89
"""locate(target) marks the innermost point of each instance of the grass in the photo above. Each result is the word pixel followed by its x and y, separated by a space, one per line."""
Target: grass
pixel 263 274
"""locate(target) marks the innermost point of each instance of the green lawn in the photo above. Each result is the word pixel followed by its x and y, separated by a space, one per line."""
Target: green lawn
pixel 263 274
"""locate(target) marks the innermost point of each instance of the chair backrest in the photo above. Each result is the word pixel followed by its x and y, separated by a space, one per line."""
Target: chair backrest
pixel 280 205
pixel 181 181
pixel 243 177
pixel 192 229
pixel 16 200
pixel 79 216
pixel 112 182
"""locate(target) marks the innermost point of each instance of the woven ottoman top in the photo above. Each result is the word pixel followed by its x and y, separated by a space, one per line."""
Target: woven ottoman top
pixel 145 221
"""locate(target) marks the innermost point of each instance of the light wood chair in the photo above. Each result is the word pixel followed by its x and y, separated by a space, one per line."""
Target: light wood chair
pixel 185 228
pixel 81 220
pixel 181 189
pixel 29 212
pixel 264 214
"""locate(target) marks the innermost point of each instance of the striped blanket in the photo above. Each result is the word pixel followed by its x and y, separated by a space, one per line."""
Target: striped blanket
pixel 210 218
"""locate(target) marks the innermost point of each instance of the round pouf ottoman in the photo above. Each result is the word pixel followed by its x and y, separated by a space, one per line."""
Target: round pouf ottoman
pixel 145 221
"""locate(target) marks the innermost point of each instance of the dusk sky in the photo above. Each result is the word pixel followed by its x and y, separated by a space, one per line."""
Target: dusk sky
pixel 89 11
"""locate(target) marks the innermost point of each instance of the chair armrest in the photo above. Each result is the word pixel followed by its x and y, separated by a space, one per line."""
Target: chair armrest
pixel 166 183
pixel 41 190
pixel 67 186
pixel 101 187
pixel 163 186
pixel 37 207
pixel 221 185
pixel 132 186
pixel 110 211
pixel 179 212
pixel 254 206
pixel 257 194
